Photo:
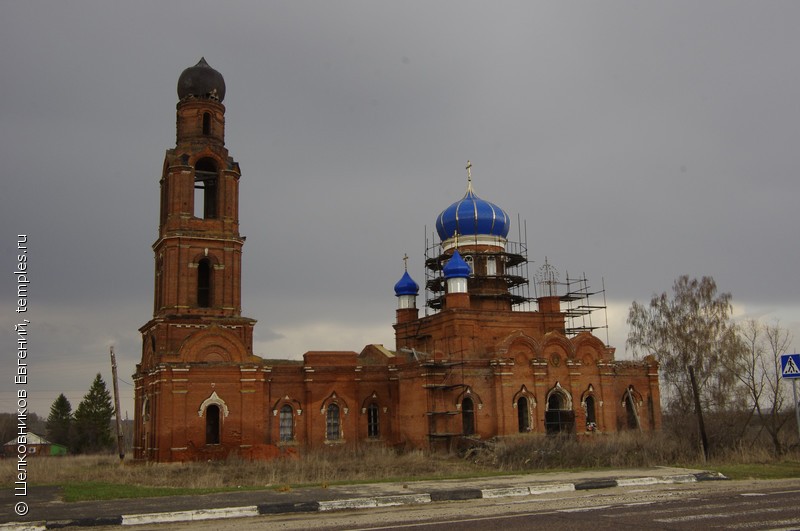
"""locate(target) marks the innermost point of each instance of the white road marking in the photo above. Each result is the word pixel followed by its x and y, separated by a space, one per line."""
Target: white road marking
pixel 792 524
pixel 23 526
pixel 189 516
pixel 585 509
pixel 709 516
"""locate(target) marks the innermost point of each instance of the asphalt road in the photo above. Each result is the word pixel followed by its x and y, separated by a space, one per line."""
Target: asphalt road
pixel 731 505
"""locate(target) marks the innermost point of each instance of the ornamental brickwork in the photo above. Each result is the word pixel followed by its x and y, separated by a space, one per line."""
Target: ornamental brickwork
pixel 476 368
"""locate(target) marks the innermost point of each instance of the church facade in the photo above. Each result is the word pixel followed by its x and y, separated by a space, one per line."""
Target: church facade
pixel 480 364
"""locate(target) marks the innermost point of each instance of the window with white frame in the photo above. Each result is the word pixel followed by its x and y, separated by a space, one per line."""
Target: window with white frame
pixel 286 423
pixel 333 423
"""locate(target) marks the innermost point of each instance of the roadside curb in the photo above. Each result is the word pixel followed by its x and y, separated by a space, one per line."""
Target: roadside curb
pixel 533 489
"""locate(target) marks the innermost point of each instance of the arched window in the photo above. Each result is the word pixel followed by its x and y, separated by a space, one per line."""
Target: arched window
pixel 471 263
pixel 333 423
pixel 523 415
pixel 286 429
pixel 146 425
pixel 555 402
pixel 591 418
pixel 491 266
pixel 204 283
pixel 373 424
pixel 212 424
pixel 205 189
pixel 558 418
pixel 206 123
pixel 632 413
pixel 468 416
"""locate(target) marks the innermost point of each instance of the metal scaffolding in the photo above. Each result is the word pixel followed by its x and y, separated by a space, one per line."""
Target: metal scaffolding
pixel 577 300
pixel 513 274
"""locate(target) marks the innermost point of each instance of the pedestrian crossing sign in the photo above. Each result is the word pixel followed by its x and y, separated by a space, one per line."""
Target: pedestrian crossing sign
pixel 790 365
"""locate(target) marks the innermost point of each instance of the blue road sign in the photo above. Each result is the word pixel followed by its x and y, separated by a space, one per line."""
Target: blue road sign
pixel 790 365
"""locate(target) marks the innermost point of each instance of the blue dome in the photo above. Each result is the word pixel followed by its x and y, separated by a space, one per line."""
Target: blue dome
pixel 472 216
pixel 456 267
pixel 406 286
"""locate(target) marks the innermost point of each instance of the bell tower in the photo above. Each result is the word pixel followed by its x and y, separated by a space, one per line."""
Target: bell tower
pixel 189 390
pixel 198 253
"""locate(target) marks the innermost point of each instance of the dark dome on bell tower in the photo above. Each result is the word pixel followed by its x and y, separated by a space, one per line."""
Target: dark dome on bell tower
pixel 201 81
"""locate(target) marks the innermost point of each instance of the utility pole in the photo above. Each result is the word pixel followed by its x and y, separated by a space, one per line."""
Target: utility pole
pixel 699 410
pixel 120 436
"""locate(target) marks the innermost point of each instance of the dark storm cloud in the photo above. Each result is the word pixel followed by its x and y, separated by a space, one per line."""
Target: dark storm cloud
pixel 638 141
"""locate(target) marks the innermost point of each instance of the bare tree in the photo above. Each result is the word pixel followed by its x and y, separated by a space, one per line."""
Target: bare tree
pixel 691 329
pixel 691 335
pixel 746 368
pixel 759 370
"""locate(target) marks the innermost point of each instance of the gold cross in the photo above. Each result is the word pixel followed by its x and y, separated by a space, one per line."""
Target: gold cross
pixel 469 171
pixel 405 261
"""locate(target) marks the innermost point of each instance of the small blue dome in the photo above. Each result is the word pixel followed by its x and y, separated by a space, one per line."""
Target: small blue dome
pixel 406 286
pixel 472 216
pixel 456 267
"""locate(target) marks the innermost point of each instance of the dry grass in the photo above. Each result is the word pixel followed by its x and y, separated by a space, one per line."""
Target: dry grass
pixel 623 450
pixel 320 468
pixel 527 453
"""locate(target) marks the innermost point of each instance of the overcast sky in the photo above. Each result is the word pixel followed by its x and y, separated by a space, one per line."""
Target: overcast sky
pixel 639 141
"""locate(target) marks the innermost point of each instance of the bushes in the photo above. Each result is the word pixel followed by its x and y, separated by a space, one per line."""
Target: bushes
pixel 732 434
pixel 622 450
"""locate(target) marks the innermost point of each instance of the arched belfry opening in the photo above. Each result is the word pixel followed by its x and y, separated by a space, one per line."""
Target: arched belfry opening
pixel 206 123
pixel 205 189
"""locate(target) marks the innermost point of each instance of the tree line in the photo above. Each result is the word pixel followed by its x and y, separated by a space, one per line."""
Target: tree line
pixel 724 374
pixel 88 428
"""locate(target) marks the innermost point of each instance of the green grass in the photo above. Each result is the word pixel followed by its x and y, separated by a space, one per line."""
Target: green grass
pixel 98 490
pixel 779 470
pixel 95 490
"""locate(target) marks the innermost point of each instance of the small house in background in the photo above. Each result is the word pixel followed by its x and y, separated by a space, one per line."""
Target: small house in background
pixel 36 445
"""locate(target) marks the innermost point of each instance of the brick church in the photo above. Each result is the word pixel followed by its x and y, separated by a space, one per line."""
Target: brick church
pixel 480 363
